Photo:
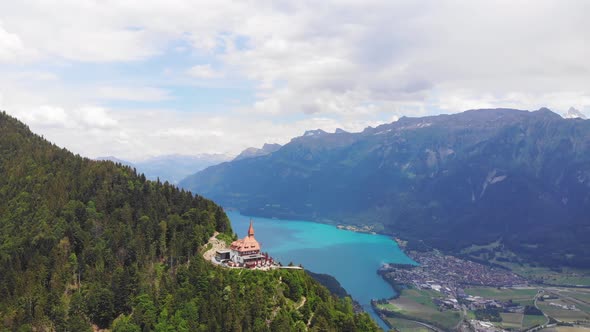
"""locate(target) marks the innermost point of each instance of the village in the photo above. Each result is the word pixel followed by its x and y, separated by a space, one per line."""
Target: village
pixel 445 279
pixel 449 276
pixel 449 273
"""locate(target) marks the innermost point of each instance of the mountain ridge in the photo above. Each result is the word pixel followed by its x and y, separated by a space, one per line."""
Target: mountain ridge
pixel 252 152
pixel 512 174
pixel 172 167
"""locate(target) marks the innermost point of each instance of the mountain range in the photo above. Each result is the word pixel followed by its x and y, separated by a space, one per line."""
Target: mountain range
pixel 172 168
pixel 515 178
pixel 256 152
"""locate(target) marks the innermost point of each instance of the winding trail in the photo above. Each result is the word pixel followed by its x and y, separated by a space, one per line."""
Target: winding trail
pixel 216 244
pixel 299 305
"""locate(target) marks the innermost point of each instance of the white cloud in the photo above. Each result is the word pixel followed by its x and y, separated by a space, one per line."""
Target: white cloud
pixel 95 117
pixel 132 93
pixel 313 64
pixel 42 76
pixel 11 47
pixel 203 71
pixel 47 116
pixel 94 132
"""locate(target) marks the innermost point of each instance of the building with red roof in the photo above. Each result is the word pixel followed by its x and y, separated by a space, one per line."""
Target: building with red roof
pixel 246 251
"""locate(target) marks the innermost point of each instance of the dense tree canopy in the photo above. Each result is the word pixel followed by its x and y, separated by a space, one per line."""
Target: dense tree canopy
pixel 87 243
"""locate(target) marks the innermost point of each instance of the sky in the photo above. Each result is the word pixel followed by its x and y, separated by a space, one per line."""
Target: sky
pixel 142 78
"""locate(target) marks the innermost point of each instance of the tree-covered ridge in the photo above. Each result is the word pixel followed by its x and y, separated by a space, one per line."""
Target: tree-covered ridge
pixel 85 242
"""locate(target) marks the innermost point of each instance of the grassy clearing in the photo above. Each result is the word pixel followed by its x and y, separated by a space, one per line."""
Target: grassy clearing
pixel 561 314
pixel 584 307
pixel 567 329
pixel 567 276
pixel 525 302
pixel 404 325
pixel 532 320
pixel 577 293
pixel 504 294
pixel 417 304
pixel 421 296
pixel 511 320
pixel 495 253
pixel 470 315
pixel 388 307
pixel 473 248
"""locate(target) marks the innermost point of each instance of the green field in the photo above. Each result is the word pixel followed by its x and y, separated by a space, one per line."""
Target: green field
pixel 522 296
pixel 494 251
pixel 404 325
pixel 511 320
pixel 388 307
pixel 515 321
pixel 567 276
pixel 525 302
pixel 580 294
pixel 566 329
pixel 530 321
pixel 562 314
pixel 504 294
pixel 417 304
pixel 473 248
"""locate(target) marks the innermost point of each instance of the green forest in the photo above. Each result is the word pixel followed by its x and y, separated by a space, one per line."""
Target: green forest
pixel 87 244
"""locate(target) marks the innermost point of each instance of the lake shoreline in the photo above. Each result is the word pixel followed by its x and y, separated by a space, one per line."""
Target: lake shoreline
pixel 357 228
pixel 353 258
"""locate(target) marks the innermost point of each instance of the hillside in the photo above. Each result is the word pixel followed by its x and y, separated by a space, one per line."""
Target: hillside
pixel 515 178
pixel 87 243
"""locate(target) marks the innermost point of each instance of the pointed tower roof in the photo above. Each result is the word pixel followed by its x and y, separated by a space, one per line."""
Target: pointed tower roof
pixel 251 229
pixel 247 244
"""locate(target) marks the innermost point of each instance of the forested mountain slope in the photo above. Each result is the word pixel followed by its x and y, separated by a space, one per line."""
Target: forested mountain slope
pixel 517 178
pixel 86 242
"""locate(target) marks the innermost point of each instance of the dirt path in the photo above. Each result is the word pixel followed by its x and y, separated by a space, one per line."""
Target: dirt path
pixel 216 244
pixel 299 305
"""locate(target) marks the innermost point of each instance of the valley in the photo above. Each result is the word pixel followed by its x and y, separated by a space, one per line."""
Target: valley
pixel 450 293
pixel 435 184
pixel 516 179
pixel 295 166
pixel 427 289
pixel 352 258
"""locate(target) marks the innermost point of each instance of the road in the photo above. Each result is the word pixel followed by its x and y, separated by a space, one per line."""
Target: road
pixel 540 293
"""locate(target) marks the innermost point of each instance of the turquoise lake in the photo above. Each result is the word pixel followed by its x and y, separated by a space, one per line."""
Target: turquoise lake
pixel 352 258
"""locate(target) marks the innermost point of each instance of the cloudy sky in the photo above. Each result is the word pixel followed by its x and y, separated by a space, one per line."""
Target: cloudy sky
pixel 143 78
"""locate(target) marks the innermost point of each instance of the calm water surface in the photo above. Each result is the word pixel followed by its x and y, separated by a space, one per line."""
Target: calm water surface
pixel 353 258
